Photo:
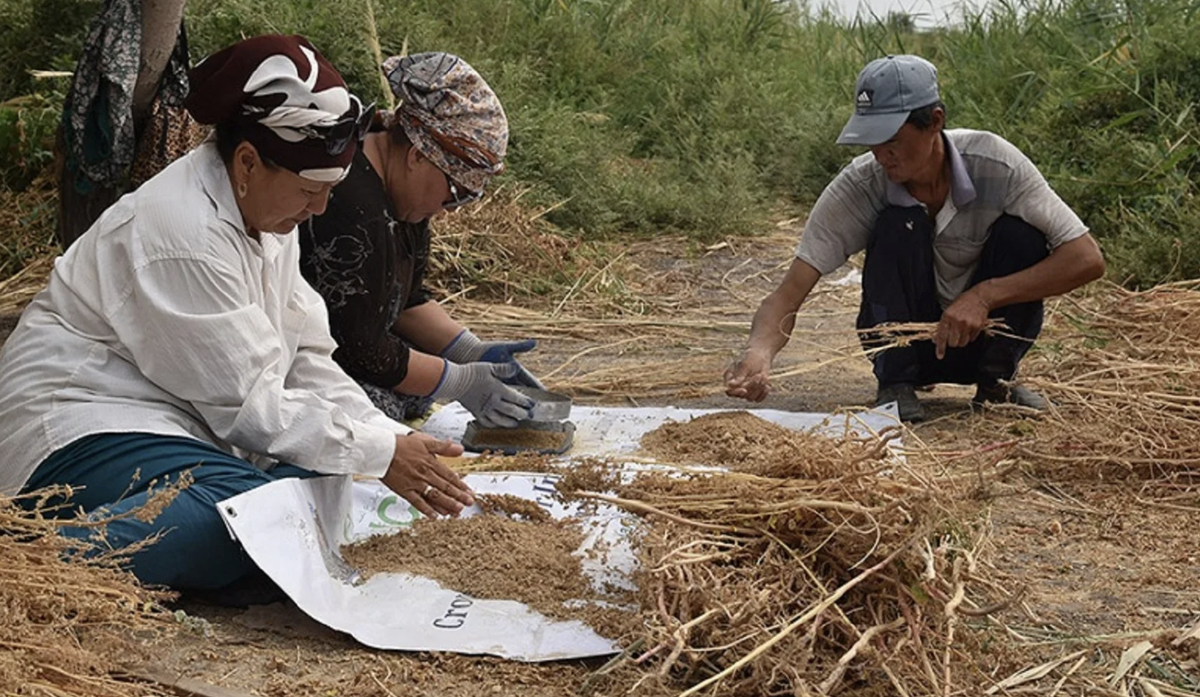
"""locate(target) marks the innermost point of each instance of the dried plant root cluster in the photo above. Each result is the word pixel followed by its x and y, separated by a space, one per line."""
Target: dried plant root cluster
pixel 1126 381
pixel 65 623
pixel 835 572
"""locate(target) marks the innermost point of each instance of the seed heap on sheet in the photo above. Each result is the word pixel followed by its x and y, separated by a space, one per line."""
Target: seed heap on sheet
pixel 497 557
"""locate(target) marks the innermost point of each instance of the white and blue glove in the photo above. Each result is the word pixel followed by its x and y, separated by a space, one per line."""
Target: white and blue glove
pixel 468 348
pixel 481 388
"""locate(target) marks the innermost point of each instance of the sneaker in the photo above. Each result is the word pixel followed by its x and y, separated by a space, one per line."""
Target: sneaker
pixel 1000 393
pixel 905 397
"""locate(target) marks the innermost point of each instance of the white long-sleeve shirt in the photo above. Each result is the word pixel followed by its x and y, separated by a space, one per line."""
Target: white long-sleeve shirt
pixel 168 318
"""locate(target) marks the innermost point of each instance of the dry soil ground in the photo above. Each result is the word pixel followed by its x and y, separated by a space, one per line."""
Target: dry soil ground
pixel 1097 558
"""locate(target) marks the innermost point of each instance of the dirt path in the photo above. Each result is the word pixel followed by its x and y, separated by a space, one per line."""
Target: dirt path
pixel 727 284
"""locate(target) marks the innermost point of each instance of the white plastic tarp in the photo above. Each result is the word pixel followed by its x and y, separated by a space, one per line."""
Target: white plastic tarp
pixel 616 431
pixel 293 529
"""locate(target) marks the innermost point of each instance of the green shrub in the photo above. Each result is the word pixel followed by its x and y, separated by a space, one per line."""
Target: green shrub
pixel 1101 96
pixel 40 35
pixel 701 116
pixel 626 116
pixel 27 126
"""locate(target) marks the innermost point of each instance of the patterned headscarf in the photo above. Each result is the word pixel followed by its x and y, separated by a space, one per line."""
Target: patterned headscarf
pixel 290 103
pixel 450 115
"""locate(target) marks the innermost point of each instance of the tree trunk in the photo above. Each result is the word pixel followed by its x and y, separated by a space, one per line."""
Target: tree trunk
pixel 76 211
pixel 160 31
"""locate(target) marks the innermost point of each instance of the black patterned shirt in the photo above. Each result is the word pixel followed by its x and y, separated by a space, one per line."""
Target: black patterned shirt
pixel 369 267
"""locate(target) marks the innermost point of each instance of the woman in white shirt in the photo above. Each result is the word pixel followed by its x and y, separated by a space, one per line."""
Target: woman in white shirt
pixel 177 338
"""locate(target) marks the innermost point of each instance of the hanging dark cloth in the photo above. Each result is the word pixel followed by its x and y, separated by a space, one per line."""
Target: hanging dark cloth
pixel 98 135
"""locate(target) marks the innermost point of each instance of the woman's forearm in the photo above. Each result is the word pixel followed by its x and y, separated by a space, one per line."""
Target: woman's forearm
pixel 427 327
pixel 424 374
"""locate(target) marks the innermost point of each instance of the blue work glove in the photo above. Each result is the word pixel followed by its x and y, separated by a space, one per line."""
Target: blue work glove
pixel 481 388
pixel 468 348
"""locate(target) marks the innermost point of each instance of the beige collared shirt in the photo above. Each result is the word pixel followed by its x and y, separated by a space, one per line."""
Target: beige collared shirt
pixel 989 177
pixel 168 318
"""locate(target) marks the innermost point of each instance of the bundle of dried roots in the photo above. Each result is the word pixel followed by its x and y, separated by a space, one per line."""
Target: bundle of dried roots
pixel 835 569
pixel 1124 372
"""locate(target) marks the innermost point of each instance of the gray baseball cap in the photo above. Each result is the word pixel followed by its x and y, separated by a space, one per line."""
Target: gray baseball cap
pixel 887 91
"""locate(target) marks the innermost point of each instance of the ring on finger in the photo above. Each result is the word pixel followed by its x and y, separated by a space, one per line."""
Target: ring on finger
pixel 428 490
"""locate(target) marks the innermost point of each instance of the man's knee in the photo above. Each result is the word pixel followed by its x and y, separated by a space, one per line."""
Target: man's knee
pixel 1012 245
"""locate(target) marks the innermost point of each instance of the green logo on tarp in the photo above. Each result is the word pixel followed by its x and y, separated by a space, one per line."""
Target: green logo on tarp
pixel 386 520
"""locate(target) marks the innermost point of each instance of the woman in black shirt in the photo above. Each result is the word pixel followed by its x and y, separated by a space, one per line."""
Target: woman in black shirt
pixel 368 253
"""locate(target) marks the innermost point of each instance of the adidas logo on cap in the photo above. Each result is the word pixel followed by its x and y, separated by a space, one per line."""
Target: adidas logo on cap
pixel 864 98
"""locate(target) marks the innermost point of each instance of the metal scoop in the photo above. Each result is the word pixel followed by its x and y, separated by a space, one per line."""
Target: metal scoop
pixel 547 406
pixel 546 431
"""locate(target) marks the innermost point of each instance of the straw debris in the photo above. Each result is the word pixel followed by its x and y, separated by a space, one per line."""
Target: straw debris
pixel 1124 373
pixel 67 620
pixel 833 568
pixel 500 249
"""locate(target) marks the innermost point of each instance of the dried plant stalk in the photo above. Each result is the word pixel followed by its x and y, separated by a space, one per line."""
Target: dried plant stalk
pixel 57 593
pixel 814 573
pixel 1124 373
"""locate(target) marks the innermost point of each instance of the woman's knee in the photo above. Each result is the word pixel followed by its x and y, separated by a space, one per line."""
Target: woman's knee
pixel 186 545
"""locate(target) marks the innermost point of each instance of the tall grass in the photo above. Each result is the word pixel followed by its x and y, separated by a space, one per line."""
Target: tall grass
pixel 706 116
pixel 1101 94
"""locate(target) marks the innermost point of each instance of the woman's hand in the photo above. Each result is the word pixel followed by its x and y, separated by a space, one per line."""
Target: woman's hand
pixel 468 348
pixel 420 478
pixel 481 388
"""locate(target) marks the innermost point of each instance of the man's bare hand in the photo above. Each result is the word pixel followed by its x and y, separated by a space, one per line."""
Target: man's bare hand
pixel 749 378
pixel 962 322
pixel 416 474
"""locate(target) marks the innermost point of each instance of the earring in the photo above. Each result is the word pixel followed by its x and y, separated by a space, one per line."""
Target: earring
pixel 241 190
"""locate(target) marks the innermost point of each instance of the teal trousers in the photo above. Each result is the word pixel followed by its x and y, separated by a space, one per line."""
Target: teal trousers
pixel 111 474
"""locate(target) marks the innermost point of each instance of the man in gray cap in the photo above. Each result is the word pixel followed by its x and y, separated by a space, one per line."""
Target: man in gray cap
pixel 959 227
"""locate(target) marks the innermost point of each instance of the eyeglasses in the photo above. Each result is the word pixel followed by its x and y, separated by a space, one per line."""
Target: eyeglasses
pixel 351 127
pixel 459 198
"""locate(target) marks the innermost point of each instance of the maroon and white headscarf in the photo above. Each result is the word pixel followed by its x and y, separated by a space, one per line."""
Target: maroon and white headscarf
pixel 290 103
